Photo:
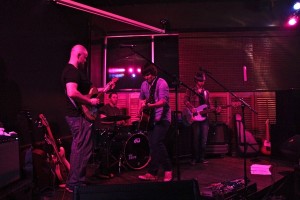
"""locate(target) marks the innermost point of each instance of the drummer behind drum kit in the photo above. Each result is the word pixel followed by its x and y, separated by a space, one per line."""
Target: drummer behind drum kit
pixel 121 146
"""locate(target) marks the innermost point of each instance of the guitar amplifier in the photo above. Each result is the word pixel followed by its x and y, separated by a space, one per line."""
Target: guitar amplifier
pixel 218 139
pixel 218 134
pixel 9 159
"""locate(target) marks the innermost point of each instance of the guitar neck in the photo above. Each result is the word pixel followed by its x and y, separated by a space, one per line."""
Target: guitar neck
pixel 267 130
pixel 207 111
pixel 53 143
pixel 107 87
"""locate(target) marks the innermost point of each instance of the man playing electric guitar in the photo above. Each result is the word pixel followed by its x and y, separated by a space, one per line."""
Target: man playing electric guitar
pixel 154 95
pixel 198 98
pixel 77 86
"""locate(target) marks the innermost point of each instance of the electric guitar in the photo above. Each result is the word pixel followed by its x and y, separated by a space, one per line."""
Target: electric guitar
pixel 61 164
pixel 145 119
pixel 90 112
pixel 266 148
pixel 202 110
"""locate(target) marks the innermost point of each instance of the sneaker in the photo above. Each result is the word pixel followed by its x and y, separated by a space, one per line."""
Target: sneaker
pixel 168 176
pixel 148 177
pixel 69 189
pixel 193 162
pixel 203 161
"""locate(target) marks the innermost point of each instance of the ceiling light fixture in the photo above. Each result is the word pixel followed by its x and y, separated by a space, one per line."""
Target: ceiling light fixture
pixel 102 13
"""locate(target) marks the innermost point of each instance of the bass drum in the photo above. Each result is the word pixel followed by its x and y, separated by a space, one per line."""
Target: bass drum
pixel 134 149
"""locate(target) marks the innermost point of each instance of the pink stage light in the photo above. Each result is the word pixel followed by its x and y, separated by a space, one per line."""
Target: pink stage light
pixel 130 70
pixel 293 20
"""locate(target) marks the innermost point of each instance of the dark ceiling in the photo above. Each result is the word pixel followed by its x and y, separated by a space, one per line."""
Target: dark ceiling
pixel 190 15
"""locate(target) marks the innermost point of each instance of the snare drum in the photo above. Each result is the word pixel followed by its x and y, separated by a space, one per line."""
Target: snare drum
pixel 134 148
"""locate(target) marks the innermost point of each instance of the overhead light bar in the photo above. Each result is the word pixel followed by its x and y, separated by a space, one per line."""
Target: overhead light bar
pixel 102 13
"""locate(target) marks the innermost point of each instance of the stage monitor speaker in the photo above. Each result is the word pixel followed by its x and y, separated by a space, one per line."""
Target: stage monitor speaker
pixel 174 190
pixel 291 148
pixel 9 159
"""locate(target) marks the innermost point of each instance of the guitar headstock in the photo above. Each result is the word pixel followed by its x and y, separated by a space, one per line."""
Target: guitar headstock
pixel 44 120
pixel 111 84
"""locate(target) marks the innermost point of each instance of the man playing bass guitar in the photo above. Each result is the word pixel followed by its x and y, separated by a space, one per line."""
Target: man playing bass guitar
pixel 193 100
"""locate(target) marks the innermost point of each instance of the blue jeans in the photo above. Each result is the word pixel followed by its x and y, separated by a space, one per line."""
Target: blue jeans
pixel 158 150
pixel 200 134
pixel 81 150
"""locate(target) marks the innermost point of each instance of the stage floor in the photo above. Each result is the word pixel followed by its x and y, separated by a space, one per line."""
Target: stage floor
pixel 219 169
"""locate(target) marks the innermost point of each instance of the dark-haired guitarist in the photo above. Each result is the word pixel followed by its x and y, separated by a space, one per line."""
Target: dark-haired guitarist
pixel 193 100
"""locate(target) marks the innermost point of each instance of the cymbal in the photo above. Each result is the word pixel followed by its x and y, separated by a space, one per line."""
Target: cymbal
pixel 115 118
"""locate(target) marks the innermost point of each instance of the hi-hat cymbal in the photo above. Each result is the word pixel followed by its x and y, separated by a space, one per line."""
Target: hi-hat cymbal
pixel 115 118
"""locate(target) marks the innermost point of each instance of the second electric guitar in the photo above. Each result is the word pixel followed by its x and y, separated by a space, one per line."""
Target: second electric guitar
pixel 61 164
pixel 266 148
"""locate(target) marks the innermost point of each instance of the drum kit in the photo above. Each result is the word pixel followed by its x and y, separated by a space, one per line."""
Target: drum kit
pixel 121 146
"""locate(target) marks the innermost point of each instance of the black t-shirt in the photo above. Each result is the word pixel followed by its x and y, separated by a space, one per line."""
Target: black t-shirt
pixel 72 74
pixel 107 110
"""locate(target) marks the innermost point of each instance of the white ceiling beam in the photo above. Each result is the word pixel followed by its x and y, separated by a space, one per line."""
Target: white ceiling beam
pixel 102 13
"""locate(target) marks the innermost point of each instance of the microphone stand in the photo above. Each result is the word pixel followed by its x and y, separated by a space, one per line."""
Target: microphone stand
pixel 177 83
pixel 243 105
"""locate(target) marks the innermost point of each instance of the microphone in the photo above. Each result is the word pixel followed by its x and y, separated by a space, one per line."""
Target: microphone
pixel 127 45
pixel 245 73
pixel 204 70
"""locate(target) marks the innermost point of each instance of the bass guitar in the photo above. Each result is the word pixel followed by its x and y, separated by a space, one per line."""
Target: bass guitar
pixel 266 147
pixel 61 164
pixel 90 112
pixel 202 111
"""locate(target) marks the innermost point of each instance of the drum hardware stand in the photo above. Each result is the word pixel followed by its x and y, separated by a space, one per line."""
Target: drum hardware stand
pixel 103 151
pixel 118 161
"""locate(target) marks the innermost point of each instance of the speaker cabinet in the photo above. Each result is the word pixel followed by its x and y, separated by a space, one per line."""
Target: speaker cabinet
pixel 217 141
pixel 291 148
pixel 175 190
pixel 9 159
pixel 180 143
pixel 218 134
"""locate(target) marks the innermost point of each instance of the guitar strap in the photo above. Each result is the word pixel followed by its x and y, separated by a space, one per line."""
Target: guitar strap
pixel 151 99
pixel 152 92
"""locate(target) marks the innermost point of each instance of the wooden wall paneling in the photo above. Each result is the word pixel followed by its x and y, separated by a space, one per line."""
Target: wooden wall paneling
pixel 181 105
pixel 134 104
pixel 248 97
pixel 265 105
pixel 263 102
pixel 220 99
